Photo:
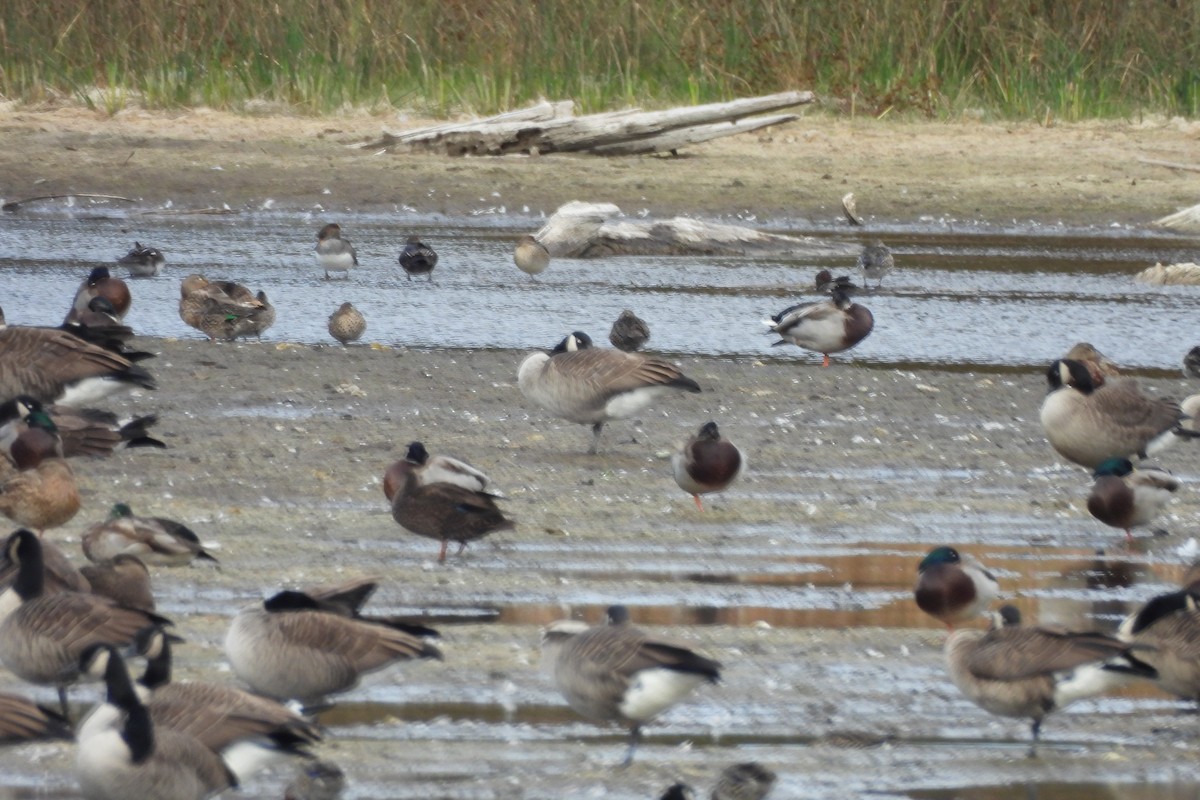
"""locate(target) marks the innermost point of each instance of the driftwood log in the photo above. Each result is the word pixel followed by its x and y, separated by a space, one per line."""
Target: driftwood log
pixel 1186 274
pixel 596 230
pixel 1185 221
pixel 554 128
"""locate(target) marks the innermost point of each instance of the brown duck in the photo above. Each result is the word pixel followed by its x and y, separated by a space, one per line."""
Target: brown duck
pixel 446 512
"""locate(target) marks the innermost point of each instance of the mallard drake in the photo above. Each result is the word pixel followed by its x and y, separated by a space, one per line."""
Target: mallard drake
pixel 418 258
pixel 953 588
pixel 1020 671
pixel 83 432
pixel 1125 498
pixel 432 469
pixel 1167 628
pixel 23 720
pixel 615 671
pixel 43 635
pixel 222 309
pixel 347 324
pixel 131 757
pixel 446 512
pixel 155 540
pixel 124 579
pixel 875 261
pixel 334 253
pixel 1089 424
pixel 293 647
pixel 707 463
pixel 1191 363
pixel 531 256
pixel 143 262
pixel 629 333
pixel 55 366
pixel 43 492
pixel 583 384
pixel 829 326
pixel 101 283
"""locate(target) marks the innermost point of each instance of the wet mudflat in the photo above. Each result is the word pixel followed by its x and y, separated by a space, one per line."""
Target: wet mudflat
pixel 798 579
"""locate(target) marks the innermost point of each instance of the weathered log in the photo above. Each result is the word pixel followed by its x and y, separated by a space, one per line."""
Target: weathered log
pixel 16 204
pixel 596 230
pixel 1187 220
pixel 551 128
pixel 1186 274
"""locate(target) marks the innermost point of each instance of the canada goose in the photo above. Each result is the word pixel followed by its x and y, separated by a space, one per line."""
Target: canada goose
pixel 616 672
pixel 531 256
pixel 629 333
pixel 124 579
pixel 446 512
pixel 290 648
pixel 1168 628
pixel 432 469
pixel 83 432
pixel 418 258
pixel 155 540
pixel 54 366
pixel 1088 425
pixel 1019 671
pixel 334 253
pixel 1191 363
pixel 143 262
pixel 100 283
pixel 1098 364
pixel 221 309
pixel 746 781
pixel 43 493
pixel 99 324
pixel 131 757
pixel 829 326
pixel 875 261
pixel 953 588
pixel 23 720
pixel 1126 498
pixel 44 634
pixel 707 463
pixel 59 575
pixel 316 780
pixel 347 324
pixel 583 384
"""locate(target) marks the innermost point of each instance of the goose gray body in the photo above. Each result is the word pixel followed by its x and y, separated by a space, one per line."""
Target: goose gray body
pixel 291 648
pixel 23 720
pixel 1089 424
pixel 591 386
pixel 617 672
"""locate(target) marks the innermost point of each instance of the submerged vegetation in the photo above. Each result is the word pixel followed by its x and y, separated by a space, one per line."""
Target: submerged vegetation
pixel 1069 59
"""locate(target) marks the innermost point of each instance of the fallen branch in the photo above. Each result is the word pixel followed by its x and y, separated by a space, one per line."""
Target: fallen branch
pixel 15 204
pixel 1170 164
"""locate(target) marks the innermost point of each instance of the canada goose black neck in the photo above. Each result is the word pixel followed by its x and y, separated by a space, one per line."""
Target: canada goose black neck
pixel 25 549
pixel 155 646
pixel 617 615
pixel 1163 606
pixel 1069 372
pixel 291 600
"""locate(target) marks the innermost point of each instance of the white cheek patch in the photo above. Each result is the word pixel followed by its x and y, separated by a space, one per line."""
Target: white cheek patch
pixel 653 691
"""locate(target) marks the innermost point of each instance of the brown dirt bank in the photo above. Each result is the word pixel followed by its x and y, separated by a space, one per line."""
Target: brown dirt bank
pixel 900 171
pixel 803 570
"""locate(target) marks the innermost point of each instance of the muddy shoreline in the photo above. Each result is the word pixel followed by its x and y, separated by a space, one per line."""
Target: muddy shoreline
pixel 797 580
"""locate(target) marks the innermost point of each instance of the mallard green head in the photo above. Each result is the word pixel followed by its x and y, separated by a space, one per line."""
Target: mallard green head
pixel 1119 467
pixel 38 418
pixel 120 510
pixel 939 555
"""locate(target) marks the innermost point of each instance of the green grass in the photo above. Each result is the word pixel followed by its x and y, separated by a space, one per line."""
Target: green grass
pixel 1060 59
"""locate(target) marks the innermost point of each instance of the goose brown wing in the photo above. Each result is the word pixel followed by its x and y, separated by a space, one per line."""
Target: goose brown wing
pixel 607 373
pixel 220 715
pixel 22 720
pixel 1011 654
pixel 75 620
pixel 1122 400
pixel 38 361
pixel 357 645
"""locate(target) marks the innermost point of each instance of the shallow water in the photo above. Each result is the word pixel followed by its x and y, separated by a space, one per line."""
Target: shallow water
pixel 961 294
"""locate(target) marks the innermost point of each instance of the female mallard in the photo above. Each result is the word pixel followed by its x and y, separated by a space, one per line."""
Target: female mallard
pixel 155 540
pixel 143 262
pixel 531 256
pixel 707 463
pixel 1089 424
pixel 418 258
pixel 629 333
pixel 615 671
pixel 334 253
pixel 1125 498
pixel 830 326
pixel 953 588
pixel 1018 671
pixel 222 309
pixel 588 385
pixel 347 324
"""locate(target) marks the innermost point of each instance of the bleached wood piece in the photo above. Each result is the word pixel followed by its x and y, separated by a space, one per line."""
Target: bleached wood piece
pixel 1186 274
pixel 596 230
pixel 1170 164
pixel 1187 220
pixel 674 139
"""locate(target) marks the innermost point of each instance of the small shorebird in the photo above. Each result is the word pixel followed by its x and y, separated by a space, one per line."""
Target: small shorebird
pixel 143 262
pixel 829 326
pixel 347 324
pixel 531 256
pixel 334 253
pixel 418 258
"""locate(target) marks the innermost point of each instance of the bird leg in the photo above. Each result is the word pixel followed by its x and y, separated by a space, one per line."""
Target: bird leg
pixel 461 547
pixel 62 701
pixel 825 363
pixel 442 553
pixel 1036 729
pixel 599 426
pixel 699 505
pixel 635 733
